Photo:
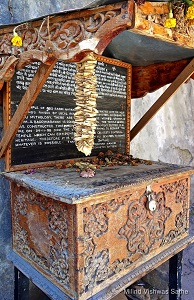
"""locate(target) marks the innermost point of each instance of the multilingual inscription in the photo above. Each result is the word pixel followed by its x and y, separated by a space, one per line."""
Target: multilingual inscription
pixel 50 120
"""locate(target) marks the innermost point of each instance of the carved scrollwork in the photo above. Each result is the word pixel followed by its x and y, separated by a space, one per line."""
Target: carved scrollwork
pixel 57 261
pixel 65 33
pixel 96 269
pixel 143 228
pixel 180 189
pixel 30 39
pixel 96 220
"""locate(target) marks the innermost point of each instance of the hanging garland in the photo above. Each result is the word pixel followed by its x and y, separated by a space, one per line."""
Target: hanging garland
pixel 85 110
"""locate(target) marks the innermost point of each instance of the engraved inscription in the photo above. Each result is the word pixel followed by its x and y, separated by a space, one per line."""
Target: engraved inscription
pixel 50 122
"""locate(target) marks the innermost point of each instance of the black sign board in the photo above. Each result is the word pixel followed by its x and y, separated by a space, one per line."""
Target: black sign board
pixel 47 133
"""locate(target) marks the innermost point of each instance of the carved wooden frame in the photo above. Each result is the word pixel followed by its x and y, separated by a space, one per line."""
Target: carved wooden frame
pixel 66 37
pixel 8 119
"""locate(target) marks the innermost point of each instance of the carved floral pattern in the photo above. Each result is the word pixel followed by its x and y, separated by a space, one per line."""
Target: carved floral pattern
pixel 96 268
pixel 180 188
pixel 96 220
pixel 57 262
pixel 62 35
pixel 144 228
pixel 142 231
pixel 95 225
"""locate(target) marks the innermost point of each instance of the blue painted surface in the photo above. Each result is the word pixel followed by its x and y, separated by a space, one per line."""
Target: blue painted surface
pixel 18 11
pixel 6 267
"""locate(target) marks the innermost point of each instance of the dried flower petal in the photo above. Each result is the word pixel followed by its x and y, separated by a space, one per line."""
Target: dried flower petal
pixel 87 173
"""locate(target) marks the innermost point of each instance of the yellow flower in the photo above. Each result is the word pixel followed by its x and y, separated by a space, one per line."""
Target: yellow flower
pixel 190 12
pixel 16 40
pixel 170 23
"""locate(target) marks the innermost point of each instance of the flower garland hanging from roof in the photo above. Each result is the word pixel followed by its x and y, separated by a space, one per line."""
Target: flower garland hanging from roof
pixel 16 39
pixel 170 22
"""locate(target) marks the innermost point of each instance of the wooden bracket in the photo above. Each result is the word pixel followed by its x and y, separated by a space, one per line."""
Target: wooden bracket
pixel 27 101
pixel 181 78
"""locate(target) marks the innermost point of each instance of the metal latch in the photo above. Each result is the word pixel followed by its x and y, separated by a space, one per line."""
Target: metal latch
pixel 151 202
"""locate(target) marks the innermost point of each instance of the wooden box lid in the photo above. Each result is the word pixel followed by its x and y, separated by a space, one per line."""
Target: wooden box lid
pixel 67 186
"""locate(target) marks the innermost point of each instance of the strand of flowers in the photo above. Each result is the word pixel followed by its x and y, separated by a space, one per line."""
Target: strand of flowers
pixel 17 39
pixel 85 110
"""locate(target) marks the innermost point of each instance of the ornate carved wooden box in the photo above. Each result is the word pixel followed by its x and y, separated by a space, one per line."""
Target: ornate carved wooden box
pixel 91 237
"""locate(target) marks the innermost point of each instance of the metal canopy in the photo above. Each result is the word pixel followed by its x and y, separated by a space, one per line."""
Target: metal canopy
pixel 141 50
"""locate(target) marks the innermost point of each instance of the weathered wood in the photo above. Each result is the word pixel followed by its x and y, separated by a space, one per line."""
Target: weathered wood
pixel 89 236
pixel 25 104
pixel 1 85
pixel 112 289
pixel 148 79
pixel 8 69
pixel 149 20
pixel 183 76
pixel 69 36
pixel 6 118
pixel 1 98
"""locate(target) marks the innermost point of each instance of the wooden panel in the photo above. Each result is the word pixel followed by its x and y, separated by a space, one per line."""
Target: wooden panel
pixel 102 238
pixel 88 30
pixel 149 20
